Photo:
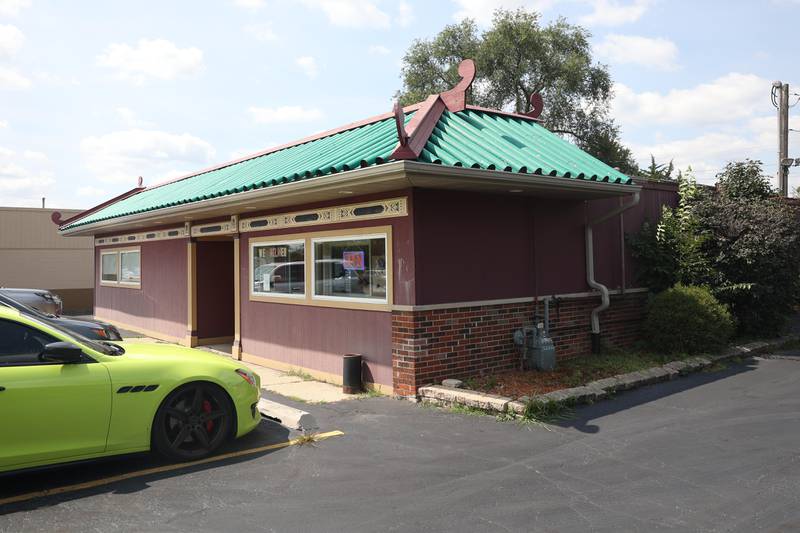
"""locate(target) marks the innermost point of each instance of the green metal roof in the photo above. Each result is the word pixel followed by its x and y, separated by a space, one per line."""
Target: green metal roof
pixel 480 139
pixel 469 138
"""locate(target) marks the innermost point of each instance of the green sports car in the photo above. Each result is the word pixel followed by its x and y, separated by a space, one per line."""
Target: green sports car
pixel 66 398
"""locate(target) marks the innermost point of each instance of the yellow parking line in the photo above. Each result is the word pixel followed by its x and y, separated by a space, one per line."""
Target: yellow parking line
pixel 166 468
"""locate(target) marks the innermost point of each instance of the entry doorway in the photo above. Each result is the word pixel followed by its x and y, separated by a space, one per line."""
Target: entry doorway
pixel 215 292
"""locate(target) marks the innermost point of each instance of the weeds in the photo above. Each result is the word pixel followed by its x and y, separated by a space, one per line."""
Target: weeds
pixel 306 439
pixel 298 373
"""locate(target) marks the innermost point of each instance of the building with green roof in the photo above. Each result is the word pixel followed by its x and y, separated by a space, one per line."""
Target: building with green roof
pixel 421 239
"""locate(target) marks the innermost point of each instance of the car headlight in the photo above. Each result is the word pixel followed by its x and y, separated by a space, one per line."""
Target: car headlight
pixel 248 376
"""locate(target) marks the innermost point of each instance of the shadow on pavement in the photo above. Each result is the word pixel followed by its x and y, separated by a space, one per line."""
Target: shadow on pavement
pixel 626 399
pixel 51 478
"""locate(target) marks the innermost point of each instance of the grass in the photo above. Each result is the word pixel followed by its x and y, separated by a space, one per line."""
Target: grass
pixel 371 393
pixel 297 373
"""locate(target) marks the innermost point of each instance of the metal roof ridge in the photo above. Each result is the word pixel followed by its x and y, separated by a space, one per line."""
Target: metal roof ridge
pixel 127 194
pixel 503 113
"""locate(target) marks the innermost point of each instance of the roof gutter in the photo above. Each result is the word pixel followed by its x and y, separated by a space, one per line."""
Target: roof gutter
pixel 605 301
pixel 397 175
pixel 374 174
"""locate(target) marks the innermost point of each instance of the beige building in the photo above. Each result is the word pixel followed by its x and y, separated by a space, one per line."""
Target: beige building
pixel 34 255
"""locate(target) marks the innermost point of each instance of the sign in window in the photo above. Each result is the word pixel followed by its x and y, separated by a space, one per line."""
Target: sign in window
pixel 352 268
pixel 279 269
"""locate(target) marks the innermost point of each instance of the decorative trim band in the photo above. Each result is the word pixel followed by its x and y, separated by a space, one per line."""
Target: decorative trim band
pixel 527 299
pixel 395 207
pixel 224 227
pixel 145 236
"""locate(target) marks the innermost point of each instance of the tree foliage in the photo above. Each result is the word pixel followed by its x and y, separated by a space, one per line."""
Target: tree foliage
pixel 741 241
pixel 516 58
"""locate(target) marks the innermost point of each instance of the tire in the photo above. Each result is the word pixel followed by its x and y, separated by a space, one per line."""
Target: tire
pixel 192 422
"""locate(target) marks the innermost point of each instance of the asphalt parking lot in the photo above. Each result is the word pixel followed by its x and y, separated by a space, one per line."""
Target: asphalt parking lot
pixel 710 452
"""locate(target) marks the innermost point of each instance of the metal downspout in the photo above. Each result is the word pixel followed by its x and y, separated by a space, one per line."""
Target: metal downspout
pixel 605 301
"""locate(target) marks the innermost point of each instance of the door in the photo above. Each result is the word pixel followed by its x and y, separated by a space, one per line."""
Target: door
pixel 48 411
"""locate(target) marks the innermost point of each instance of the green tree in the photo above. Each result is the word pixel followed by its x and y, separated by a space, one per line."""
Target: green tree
pixel 741 241
pixel 516 58
pixel 662 172
pixel 744 179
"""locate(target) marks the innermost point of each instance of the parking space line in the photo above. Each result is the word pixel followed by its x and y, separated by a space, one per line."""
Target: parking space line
pixel 166 468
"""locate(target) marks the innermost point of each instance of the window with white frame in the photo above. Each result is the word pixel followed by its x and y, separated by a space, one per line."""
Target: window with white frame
pixel 130 266
pixel 109 267
pixel 278 268
pixel 121 267
pixel 350 268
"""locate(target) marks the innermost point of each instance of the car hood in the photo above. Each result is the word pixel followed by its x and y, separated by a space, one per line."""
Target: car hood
pixel 156 351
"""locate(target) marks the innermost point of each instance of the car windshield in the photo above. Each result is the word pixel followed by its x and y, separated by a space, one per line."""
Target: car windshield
pixel 102 347
pixel 10 302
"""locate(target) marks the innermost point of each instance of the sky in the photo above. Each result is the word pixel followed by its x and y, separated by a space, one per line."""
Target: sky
pixel 94 94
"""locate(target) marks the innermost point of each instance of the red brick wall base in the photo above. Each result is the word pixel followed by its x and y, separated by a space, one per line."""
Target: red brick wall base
pixel 431 345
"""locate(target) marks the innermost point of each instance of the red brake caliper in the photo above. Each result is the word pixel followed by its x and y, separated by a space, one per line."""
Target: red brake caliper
pixel 207 409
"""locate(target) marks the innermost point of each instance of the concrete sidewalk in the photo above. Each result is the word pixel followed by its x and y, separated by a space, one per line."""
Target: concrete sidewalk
pixel 298 386
pixel 294 385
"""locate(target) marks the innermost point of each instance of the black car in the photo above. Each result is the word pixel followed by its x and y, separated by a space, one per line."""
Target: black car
pixel 92 329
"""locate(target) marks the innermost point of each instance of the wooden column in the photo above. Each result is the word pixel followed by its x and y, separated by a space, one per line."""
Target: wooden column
pixel 236 349
pixel 191 285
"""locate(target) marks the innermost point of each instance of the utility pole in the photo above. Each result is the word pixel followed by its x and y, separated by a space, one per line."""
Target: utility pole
pixel 781 101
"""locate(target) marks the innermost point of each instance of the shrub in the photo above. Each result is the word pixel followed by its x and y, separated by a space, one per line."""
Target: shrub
pixel 687 319
pixel 740 241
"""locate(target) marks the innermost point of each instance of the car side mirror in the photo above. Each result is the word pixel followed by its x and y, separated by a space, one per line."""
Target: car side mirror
pixel 62 352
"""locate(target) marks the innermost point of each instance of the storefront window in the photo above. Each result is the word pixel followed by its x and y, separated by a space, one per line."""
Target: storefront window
pixel 278 269
pixel 108 262
pixel 130 267
pixel 121 268
pixel 351 268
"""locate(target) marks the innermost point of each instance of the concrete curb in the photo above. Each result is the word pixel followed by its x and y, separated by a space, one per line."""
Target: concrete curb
pixel 595 390
pixel 287 416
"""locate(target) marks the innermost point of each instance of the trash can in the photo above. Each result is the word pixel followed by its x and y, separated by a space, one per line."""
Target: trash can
pixel 351 373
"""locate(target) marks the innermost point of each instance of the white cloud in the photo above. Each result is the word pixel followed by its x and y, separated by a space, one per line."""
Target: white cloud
pixel 352 13
pixel 3 124
pixel 90 190
pixel 11 40
pixel 654 53
pixel 482 11
pixel 11 79
pixel 151 58
pixel 21 186
pixel 56 80
pixel 261 32
pixel 130 119
pixel 308 65
pixel 11 8
pixel 244 152
pixel 405 14
pixel 6 152
pixel 724 100
pixel 379 50
pixel 250 4
pixel 122 156
pixel 34 155
pixel 614 12
pixel 284 114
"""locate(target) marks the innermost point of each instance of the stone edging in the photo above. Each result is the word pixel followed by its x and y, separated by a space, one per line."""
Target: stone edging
pixel 595 390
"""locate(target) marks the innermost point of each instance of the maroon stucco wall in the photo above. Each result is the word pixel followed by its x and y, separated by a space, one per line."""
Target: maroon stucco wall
pixel 472 246
pixel 214 289
pixel 317 337
pixel 160 305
